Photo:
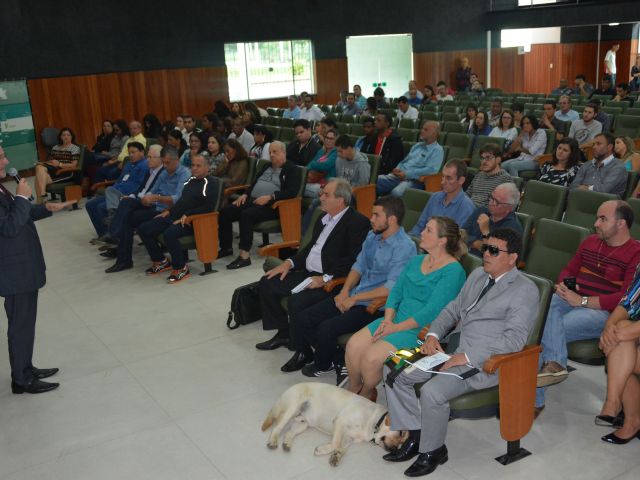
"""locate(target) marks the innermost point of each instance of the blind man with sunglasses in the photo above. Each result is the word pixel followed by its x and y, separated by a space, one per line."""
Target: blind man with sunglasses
pixel 493 313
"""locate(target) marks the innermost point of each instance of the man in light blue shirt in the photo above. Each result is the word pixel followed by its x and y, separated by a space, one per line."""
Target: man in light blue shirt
pixel 313 332
pixel 424 158
pixel 565 113
pixel 164 194
pixel 293 110
pixel 451 202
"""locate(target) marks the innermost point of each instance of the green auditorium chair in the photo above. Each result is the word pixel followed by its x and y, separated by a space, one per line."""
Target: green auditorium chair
pixel 408 134
pixel 454 127
pixel 627 126
pixel 634 203
pixel 582 206
pixel 527 222
pixel 407 123
pixel 459 144
pixel 543 200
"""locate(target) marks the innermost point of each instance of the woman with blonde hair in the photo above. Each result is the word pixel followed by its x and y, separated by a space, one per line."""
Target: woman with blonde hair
pixel 624 149
pixel 425 286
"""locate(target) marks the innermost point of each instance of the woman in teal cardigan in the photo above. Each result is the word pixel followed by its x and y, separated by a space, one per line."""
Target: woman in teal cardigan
pixel 323 166
pixel 426 285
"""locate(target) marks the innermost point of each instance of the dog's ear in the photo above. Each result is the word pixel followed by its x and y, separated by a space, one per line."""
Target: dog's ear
pixel 387 421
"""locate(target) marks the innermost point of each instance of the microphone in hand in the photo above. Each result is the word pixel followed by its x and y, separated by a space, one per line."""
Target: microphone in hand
pixel 23 188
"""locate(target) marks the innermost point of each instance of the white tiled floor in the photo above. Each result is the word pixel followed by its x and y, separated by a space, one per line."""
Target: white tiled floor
pixel 154 386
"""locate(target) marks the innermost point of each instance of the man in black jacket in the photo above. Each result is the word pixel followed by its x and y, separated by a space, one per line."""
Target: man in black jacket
pixel 335 244
pixel 278 181
pixel 302 150
pixel 199 195
pixel 22 274
pixel 389 144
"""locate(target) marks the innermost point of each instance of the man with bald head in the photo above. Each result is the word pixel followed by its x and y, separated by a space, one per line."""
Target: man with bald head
pixel 588 289
pixel 424 158
pixel 278 181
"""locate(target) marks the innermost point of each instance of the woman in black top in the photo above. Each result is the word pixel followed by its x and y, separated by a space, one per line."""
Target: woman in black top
pixel 564 164
pixel 151 126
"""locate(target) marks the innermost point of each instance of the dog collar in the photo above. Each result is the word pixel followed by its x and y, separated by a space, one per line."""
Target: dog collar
pixel 378 423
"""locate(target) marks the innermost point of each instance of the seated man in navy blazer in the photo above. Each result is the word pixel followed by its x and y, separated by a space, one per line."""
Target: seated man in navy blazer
pixel 336 242
pixel 22 275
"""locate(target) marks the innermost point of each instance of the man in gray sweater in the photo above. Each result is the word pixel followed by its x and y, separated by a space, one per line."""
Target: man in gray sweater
pixel 604 173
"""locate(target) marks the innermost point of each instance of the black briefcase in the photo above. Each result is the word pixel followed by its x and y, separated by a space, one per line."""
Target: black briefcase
pixel 245 306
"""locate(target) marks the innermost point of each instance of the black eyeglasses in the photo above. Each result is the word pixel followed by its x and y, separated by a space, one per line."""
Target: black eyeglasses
pixel 492 249
pixel 496 201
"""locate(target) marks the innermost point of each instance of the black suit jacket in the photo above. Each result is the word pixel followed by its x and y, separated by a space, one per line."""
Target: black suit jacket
pixel 341 247
pixel 290 178
pixel 22 267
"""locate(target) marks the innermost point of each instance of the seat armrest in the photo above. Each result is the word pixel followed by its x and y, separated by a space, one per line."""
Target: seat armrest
pixel 229 190
pixel 98 185
pixel 336 282
pixel 375 304
pixel 205 232
pixel 62 171
pixel 496 361
pixel 273 250
pixel 542 159
pixel 432 182
pixel 290 213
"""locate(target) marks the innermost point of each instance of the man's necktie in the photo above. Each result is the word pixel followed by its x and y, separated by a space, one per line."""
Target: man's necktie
pixel 486 288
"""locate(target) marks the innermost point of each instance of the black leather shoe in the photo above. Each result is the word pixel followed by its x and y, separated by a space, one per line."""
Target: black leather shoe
pixel 34 386
pixel 225 252
pixel 111 253
pixel 428 462
pixel 296 362
pixel 616 440
pixel 118 267
pixel 407 450
pixel 239 263
pixel 609 421
pixel 273 343
pixel 44 372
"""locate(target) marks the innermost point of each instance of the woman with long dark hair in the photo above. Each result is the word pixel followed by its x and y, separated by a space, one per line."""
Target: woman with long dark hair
pixel 564 164
pixel 65 154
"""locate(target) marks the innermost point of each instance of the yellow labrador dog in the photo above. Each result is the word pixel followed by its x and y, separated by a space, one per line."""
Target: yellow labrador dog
pixel 350 418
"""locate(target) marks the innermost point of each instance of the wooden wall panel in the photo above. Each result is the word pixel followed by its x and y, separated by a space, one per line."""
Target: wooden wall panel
pixel 431 67
pixel 507 69
pixel 83 102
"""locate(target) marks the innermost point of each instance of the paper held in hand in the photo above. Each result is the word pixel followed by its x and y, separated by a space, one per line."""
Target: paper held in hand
pixel 429 363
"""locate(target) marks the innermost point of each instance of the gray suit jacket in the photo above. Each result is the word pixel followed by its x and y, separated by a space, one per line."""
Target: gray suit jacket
pixel 499 323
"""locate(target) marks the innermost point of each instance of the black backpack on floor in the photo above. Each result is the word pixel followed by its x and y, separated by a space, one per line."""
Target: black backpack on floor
pixel 245 306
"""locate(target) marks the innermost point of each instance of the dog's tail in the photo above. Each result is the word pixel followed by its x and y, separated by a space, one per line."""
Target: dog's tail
pixel 268 421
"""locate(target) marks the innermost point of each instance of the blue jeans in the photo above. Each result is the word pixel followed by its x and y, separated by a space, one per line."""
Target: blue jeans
pixel 567 324
pixel 391 184
pixel 515 166
pixel 97 210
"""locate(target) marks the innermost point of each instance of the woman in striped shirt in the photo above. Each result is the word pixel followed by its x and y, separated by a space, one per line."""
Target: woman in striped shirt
pixel 63 156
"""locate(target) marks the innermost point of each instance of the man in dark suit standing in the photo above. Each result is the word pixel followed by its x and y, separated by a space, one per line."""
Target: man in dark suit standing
pixel 336 242
pixel 22 274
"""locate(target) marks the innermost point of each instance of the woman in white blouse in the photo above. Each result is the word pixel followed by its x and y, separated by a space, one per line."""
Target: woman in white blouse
pixel 531 143
pixel 505 128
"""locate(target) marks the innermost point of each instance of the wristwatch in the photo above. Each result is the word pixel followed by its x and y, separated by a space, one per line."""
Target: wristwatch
pixel 584 301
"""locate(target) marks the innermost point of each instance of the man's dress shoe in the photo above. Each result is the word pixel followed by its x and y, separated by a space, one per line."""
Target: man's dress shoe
pixel 428 462
pixel 296 362
pixel 41 373
pixel 34 386
pixel 407 450
pixel 273 343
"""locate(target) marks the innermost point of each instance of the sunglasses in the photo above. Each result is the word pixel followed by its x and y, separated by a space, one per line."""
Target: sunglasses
pixel 492 249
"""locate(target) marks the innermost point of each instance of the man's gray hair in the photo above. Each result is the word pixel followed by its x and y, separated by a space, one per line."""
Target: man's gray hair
pixel 155 148
pixel 514 193
pixel 281 146
pixel 343 190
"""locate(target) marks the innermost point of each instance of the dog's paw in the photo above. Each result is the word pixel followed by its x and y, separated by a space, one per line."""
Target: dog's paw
pixel 335 458
pixel 272 445
pixel 286 447
pixel 323 449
